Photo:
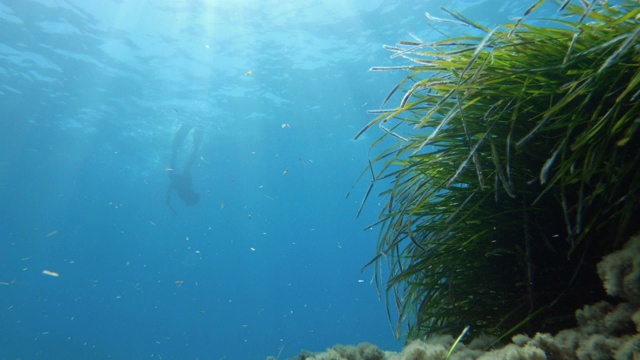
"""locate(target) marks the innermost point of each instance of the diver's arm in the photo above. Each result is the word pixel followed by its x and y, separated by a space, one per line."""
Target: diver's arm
pixel 178 141
pixel 197 135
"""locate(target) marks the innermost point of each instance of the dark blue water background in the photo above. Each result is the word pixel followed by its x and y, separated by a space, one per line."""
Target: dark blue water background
pixel 267 263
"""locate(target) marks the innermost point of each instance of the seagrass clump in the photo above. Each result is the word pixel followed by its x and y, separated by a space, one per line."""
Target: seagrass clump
pixel 511 163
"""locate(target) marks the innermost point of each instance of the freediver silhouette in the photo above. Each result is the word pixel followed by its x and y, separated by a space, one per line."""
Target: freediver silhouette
pixel 180 179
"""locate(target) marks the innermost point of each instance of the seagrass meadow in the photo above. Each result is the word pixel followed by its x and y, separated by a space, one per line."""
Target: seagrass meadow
pixel 510 163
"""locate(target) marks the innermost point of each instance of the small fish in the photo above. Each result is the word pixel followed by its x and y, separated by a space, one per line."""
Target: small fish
pixel 248 73
pixel 285 172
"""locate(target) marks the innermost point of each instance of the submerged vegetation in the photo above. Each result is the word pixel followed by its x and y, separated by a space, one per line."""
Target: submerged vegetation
pixel 513 159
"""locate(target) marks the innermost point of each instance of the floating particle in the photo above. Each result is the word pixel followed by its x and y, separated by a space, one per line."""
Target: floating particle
pixel 248 73
pixel 286 126
pixel 50 273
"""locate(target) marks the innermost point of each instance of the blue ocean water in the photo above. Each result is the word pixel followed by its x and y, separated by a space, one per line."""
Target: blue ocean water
pixel 268 261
